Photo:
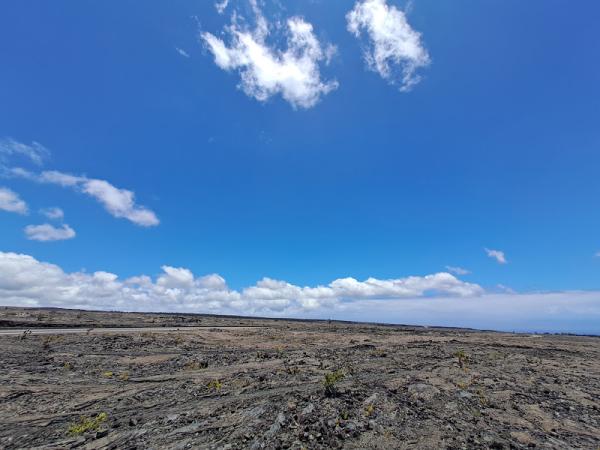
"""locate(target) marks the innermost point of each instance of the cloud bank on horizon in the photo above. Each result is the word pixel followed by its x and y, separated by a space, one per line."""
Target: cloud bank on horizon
pixel 437 299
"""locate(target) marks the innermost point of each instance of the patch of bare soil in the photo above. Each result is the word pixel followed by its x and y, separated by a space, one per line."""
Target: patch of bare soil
pixel 291 384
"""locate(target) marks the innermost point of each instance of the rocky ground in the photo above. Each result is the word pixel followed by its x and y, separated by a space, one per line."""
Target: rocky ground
pixel 290 384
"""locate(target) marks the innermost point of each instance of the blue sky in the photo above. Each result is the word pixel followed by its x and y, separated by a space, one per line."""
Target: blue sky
pixel 494 146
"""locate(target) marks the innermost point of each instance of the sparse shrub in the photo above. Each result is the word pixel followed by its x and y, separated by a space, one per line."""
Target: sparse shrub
pixel 47 340
pixel 24 335
pixel 462 357
pixel 107 374
pixel 462 385
pixel 86 424
pixel 292 370
pixel 482 398
pixel 124 376
pixel 67 366
pixel 379 353
pixel 369 410
pixel 215 385
pixel 330 381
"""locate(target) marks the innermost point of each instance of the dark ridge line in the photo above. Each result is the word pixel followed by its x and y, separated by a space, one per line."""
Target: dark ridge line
pixel 230 316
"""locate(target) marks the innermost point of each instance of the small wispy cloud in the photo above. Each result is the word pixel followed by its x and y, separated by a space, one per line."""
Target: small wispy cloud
pixel 47 232
pixel 457 270
pixel 118 202
pixel 221 6
pixel 505 289
pixel 394 50
pixel 11 202
pixel 53 213
pixel 182 52
pixel 35 151
pixel 498 255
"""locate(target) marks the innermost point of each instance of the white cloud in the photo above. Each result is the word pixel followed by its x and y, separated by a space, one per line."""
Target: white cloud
pixel 178 289
pixel 53 213
pixel 265 70
pixel 182 52
pixel 504 288
pixel 11 202
pixel 47 232
pixel 221 6
pixel 497 255
pixel 457 270
pixel 119 203
pixel 394 49
pixel 438 299
pixel 35 151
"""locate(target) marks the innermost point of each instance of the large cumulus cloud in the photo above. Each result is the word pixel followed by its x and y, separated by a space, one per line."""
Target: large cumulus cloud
pixel 26 281
pixel 437 299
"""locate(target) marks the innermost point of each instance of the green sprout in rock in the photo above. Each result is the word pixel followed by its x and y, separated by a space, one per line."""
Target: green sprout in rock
pixel 86 424
pixel 462 357
pixel 330 381
pixel 215 385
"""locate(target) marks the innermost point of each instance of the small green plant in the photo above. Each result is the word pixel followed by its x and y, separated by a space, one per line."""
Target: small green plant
pixel 462 357
pixel 215 385
pixel 124 376
pixel 107 374
pixel 330 381
pixel 86 424
pixel 67 366
pixel 482 398
pixel 369 410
